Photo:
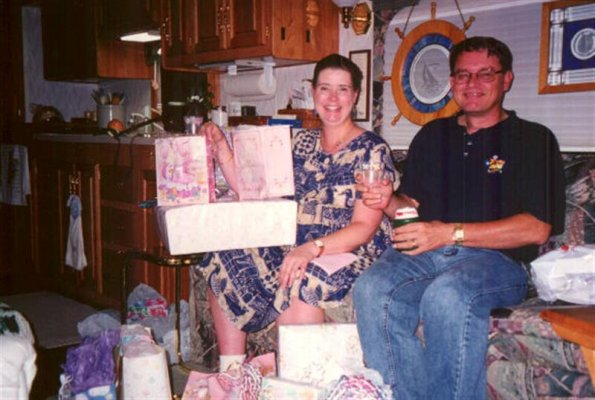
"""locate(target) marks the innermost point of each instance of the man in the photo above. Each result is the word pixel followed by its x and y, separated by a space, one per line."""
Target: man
pixel 488 187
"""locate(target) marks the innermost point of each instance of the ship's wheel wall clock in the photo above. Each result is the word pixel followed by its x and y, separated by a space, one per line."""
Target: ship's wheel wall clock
pixel 420 75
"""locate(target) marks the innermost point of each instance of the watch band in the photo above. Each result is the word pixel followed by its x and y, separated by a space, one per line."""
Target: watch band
pixel 320 246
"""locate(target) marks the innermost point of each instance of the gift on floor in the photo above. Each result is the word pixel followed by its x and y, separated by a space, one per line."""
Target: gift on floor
pixel 144 365
pixel 318 354
pixel 227 225
pixel 184 170
pixel 263 161
pixel 273 388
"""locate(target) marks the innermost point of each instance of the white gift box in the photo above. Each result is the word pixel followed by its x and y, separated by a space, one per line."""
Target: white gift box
pixel 227 225
pixel 318 354
pixel 273 388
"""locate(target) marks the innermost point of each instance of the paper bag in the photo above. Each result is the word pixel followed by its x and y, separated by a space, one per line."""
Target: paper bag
pixel 184 170
pixel 263 160
pixel 567 274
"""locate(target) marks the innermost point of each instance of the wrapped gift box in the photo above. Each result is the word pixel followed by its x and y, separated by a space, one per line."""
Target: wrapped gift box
pixel 318 354
pixel 273 388
pixel 227 225
pixel 184 170
pixel 263 160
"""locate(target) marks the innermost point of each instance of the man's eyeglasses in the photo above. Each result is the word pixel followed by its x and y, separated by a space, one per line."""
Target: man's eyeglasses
pixel 483 75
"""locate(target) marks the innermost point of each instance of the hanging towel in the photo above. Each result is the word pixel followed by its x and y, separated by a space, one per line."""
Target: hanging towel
pixel 75 248
pixel 14 174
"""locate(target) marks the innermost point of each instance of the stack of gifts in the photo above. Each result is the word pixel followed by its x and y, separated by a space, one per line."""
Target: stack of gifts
pixel 189 217
pixel 314 362
pixel 322 361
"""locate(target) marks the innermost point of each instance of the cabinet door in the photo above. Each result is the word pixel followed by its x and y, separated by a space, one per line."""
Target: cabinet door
pixel 68 48
pixel 248 23
pixel 179 29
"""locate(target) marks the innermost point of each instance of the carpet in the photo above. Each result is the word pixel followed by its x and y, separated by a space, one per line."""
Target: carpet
pixel 53 317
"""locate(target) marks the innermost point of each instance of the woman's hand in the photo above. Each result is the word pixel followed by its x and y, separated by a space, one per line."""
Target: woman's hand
pixel 295 263
pixel 212 132
pixel 377 196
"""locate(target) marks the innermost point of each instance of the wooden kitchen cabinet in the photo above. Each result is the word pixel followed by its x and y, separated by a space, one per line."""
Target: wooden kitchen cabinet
pixel 77 45
pixel 111 179
pixel 196 33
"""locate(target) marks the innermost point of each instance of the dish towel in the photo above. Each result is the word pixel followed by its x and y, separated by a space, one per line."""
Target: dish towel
pixel 14 174
pixel 75 248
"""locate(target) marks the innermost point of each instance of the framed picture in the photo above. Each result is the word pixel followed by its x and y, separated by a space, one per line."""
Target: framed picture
pixel 567 59
pixel 362 108
pixel 420 76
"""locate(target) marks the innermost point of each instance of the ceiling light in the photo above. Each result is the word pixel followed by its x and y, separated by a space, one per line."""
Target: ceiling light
pixel 142 37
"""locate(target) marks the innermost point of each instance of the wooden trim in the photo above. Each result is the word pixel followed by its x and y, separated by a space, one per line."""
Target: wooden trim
pixel 543 86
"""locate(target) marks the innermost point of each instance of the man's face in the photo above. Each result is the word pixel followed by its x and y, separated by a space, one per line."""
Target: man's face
pixel 481 94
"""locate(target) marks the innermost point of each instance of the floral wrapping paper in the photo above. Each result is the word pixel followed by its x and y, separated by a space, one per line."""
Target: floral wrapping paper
pixel 273 388
pixel 263 160
pixel 318 354
pixel 184 170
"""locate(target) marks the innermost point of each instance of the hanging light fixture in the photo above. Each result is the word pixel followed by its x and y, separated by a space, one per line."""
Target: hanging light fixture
pixel 358 15
pixel 142 36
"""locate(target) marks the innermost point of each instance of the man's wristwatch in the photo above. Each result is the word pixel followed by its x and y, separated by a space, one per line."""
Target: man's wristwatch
pixel 458 234
pixel 320 246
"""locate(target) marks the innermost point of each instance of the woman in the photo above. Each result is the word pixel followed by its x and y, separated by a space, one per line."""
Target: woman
pixel 285 286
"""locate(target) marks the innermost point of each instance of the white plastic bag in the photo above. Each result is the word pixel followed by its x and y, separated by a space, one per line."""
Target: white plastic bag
pixel 567 273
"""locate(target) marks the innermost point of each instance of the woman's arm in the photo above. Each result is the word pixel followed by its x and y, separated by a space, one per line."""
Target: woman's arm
pixel 222 152
pixel 360 230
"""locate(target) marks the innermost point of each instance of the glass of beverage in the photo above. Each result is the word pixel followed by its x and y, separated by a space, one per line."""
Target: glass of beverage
pixel 369 172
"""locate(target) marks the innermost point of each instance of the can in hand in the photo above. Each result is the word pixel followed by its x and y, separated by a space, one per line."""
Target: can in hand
pixel 404 216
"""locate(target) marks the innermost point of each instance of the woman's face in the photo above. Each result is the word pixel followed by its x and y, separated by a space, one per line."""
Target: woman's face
pixel 334 96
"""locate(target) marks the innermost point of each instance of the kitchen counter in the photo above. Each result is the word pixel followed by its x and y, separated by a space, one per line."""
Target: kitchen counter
pixel 89 138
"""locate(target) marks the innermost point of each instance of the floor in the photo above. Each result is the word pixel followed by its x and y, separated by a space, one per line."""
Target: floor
pixel 54 319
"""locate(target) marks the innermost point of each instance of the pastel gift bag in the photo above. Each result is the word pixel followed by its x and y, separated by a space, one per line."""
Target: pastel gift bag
pixel 263 160
pixel 184 169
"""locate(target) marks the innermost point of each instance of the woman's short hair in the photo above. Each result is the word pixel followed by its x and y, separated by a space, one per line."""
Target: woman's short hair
pixel 337 61
pixel 493 46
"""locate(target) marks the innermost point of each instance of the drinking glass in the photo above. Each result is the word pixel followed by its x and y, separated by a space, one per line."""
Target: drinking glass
pixel 369 172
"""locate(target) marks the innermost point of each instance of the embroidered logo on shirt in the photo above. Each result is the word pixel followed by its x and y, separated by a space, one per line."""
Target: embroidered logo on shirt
pixel 495 165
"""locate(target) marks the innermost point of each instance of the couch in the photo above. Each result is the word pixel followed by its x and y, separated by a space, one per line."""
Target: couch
pixel 526 359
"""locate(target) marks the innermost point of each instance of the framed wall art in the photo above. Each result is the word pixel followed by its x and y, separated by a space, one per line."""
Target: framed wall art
pixel 567 59
pixel 420 75
pixel 362 108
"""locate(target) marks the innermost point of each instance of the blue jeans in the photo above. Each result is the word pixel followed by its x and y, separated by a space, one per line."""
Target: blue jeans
pixel 450 290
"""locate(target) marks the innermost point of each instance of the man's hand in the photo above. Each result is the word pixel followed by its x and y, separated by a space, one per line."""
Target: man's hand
pixel 418 237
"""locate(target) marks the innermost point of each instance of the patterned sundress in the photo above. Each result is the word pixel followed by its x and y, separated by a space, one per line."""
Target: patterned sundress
pixel 245 281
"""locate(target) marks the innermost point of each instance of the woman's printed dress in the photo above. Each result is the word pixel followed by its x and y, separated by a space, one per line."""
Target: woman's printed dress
pixel 245 281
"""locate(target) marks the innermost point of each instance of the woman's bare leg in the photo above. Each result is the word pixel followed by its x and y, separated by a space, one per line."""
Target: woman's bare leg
pixel 231 339
pixel 301 313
